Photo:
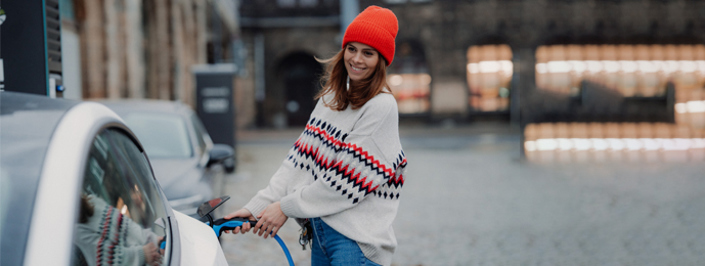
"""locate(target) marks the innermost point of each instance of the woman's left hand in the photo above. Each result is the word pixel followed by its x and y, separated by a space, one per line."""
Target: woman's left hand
pixel 270 220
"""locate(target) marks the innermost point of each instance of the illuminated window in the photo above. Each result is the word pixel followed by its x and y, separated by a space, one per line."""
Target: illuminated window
pixel 411 91
pixel 632 70
pixel 489 74
pixel 409 79
pixel 613 142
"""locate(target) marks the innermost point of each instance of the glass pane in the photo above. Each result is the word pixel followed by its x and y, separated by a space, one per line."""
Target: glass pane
pixel 410 81
pixel 489 76
pixel 631 71
pixel 201 134
pixel 163 135
pixel 412 91
pixel 122 218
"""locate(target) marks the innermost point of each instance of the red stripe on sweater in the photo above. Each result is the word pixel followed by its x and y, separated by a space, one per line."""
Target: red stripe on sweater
pixel 354 147
pixel 99 250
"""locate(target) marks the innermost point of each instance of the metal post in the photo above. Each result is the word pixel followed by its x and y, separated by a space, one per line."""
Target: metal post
pixel 217 36
pixel 259 67
pixel 259 77
pixel 348 10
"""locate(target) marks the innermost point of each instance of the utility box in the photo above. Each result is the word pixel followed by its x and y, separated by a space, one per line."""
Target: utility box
pixel 30 46
pixel 214 100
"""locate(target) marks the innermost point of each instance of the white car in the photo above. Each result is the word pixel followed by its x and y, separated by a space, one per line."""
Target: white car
pixel 76 188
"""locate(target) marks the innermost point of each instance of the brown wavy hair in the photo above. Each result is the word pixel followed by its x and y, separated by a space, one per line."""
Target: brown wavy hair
pixel 335 80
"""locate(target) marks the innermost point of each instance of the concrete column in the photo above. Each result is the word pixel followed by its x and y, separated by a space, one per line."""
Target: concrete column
pixel 523 81
pixel 523 84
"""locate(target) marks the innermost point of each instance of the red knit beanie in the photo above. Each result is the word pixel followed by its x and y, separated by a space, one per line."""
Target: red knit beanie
pixel 376 27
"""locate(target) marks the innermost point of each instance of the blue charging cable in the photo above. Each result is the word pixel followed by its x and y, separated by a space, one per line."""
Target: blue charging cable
pixel 221 225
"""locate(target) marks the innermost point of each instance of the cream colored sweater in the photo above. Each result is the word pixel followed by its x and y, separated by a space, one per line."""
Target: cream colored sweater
pixel 347 168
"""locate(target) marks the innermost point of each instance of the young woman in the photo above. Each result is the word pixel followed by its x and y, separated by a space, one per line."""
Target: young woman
pixel 344 174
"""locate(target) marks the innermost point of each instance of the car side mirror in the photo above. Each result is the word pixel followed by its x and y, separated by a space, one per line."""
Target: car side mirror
pixel 220 153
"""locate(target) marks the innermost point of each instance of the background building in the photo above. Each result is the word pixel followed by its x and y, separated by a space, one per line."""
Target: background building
pixel 466 60
pixel 520 61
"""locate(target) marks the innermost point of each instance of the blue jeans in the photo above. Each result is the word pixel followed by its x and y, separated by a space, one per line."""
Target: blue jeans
pixel 331 248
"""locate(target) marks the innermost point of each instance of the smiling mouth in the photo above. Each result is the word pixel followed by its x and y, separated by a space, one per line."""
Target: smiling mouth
pixel 355 68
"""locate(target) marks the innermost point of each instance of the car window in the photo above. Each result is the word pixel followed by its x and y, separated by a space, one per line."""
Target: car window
pixel 162 135
pixel 122 218
pixel 201 134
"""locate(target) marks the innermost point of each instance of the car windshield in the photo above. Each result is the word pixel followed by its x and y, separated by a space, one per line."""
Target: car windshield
pixel 162 135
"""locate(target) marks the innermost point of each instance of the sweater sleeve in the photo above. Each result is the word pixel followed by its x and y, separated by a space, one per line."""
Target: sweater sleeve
pixel 277 187
pixel 133 256
pixel 272 193
pixel 360 165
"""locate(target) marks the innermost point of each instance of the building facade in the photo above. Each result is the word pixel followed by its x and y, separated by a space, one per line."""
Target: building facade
pixel 465 60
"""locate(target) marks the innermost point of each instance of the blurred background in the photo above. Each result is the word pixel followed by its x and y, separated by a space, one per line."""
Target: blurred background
pixel 549 68
pixel 556 132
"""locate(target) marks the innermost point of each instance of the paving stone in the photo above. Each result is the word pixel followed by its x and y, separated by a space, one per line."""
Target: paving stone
pixel 476 203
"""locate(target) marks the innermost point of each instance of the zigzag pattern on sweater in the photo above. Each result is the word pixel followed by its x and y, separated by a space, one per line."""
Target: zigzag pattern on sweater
pixel 318 150
pixel 113 231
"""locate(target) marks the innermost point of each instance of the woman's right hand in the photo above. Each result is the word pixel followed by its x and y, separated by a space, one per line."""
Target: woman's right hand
pixel 242 213
pixel 151 254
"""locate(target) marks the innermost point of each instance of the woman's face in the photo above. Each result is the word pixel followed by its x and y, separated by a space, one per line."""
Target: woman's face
pixel 360 60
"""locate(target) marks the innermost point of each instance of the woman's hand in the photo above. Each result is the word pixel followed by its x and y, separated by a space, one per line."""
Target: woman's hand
pixel 152 254
pixel 270 220
pixel 242 213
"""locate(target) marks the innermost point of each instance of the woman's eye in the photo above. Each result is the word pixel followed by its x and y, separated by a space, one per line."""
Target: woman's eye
pixel 369 53
pixel 351 49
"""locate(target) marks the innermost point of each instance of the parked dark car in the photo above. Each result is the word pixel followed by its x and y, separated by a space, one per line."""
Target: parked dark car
pixel 179 148
pixel 76 188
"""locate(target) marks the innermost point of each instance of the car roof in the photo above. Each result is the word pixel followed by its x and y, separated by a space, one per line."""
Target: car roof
pixel 27 122
pixel 125 106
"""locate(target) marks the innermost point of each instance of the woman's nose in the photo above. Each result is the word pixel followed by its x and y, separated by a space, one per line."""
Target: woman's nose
pixel 357 57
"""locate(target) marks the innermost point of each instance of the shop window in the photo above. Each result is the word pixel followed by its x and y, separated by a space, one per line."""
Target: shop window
pixel 411 91
pixel 489 75
pixel 631 70
pixel 409 79
pixel 613 142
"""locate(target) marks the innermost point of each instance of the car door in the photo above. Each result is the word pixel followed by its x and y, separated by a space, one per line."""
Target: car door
pixel 123 218
pixel 212 175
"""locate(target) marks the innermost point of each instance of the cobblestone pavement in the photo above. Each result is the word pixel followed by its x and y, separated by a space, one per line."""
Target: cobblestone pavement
pixel 469 200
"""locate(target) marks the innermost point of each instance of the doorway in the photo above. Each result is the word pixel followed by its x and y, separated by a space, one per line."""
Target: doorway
pixel 300 73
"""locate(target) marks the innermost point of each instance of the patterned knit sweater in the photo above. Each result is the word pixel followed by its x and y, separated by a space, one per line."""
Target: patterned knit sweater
pixel 347 168
pixel 110 238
